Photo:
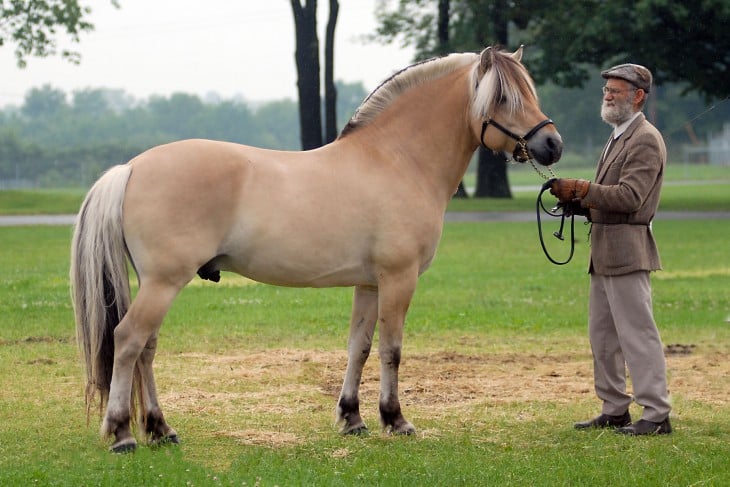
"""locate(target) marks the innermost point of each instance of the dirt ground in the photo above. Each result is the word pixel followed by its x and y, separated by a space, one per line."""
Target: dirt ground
pixel 284 381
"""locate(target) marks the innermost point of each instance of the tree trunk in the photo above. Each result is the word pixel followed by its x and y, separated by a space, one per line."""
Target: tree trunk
pixel 492 175
pixel 330 91
pixel 443 26
pixel 307 59
pixel 492 178
pixel 444 47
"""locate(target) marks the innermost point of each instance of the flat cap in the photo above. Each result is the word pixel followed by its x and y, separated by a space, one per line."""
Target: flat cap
pixel 635 74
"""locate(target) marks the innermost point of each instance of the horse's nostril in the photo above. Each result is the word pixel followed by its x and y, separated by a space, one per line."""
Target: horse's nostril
pixel 554 143
pixel 555 148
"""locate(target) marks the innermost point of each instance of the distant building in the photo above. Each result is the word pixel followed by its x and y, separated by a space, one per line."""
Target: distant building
pixel 716 152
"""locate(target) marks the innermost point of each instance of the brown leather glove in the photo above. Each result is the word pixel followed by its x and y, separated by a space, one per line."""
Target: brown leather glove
pixel 567 189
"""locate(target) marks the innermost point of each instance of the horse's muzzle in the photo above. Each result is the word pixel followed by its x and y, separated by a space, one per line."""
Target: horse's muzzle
pixel 546 148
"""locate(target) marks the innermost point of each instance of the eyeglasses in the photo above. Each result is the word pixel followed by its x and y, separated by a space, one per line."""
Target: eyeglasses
pixel 614 91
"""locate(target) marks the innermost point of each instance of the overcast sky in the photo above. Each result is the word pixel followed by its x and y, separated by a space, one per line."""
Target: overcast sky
pixel 231 47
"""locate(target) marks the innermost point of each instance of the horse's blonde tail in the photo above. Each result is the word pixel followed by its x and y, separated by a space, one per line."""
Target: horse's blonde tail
pixel 100 279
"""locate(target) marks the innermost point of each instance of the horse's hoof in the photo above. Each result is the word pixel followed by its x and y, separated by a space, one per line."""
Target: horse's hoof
pixel 165 440
pixel 123 447
pixel 358 431
pixel 405 430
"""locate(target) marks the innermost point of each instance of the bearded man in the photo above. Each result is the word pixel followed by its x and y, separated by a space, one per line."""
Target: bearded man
pixel 621 204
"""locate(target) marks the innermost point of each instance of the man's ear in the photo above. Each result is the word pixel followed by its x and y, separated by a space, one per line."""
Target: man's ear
pixel 639 96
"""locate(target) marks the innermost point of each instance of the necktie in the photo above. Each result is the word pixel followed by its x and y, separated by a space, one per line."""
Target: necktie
pixel 609 147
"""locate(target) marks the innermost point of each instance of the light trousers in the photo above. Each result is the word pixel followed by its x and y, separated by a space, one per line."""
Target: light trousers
pixel 623 334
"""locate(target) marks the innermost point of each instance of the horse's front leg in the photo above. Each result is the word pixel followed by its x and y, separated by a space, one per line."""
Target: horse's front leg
pixel 395 293
pixel 362 325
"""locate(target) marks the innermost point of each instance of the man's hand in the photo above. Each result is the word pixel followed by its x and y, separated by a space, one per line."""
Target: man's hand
pixel 567 189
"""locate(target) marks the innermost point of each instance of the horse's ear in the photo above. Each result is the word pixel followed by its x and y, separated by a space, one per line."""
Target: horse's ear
pixel 517 55
pixel 486 61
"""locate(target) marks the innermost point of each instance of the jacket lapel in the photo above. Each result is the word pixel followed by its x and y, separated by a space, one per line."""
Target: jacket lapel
pixel 620 145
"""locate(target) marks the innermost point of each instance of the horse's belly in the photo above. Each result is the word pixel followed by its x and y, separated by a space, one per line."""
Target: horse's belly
pixel 298 269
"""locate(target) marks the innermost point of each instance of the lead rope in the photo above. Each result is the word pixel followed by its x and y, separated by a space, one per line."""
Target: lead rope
pixel 542 174
pixel 553 212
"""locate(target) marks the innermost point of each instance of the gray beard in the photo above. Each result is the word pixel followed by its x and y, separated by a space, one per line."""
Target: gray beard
pixel 617 114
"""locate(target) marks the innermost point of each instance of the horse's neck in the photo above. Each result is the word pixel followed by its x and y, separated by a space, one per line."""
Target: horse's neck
pixel 428 127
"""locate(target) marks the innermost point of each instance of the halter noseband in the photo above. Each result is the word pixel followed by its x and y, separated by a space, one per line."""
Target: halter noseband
pixel 520 154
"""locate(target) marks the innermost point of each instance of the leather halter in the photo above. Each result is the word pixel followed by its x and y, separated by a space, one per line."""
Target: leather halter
pixel 521 153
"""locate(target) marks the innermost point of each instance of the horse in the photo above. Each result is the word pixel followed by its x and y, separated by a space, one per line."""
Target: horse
pixel 364 211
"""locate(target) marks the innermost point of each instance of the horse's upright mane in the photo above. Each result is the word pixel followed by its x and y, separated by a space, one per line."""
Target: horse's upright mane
pixel 401 81
pixel 505 82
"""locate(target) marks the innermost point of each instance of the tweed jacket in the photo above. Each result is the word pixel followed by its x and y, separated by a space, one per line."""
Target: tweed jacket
pixel 623 201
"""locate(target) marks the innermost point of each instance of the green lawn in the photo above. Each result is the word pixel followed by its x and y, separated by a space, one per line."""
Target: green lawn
pixel 496 367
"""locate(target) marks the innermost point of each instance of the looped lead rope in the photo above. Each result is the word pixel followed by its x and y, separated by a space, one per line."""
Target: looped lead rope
pixel 554 213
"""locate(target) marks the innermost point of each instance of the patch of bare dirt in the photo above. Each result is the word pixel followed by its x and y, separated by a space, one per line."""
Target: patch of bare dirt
pixel 287 382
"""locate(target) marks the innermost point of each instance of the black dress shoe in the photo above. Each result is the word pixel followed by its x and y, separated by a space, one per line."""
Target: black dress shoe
pixel 644 427
pixel 605 421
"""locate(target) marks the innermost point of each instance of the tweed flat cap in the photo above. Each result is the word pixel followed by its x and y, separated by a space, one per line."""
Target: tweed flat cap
pixel 635 74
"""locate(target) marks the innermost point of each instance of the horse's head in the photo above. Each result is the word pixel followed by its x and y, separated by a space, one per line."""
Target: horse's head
pixel 505 105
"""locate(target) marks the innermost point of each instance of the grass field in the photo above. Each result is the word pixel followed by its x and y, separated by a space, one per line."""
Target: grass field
pixel 496 368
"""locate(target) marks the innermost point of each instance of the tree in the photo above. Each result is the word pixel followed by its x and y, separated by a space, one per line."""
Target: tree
pixel 308 67
pixel 44 102
pixel 684 41
pixel 330 90
pixel 33 25
pixel 307 60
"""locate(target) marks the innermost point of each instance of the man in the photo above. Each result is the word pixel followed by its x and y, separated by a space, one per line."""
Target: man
pixel 621 204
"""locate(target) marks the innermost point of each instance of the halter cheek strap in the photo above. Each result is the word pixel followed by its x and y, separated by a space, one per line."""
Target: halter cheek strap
pixel 520 153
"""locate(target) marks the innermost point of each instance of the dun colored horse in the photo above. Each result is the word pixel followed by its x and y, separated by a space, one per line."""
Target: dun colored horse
pixel 365 211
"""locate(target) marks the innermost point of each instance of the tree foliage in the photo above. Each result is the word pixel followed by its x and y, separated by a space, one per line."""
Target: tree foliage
pixel 33 26
pixel 681 41
pixel 51 141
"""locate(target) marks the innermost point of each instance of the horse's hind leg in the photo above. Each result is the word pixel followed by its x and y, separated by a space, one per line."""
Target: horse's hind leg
pixel 362 324
pixel 156 428
pixel 395 293
pixel 133 333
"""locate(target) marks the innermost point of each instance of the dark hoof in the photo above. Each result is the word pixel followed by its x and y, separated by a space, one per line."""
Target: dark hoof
pixel 359 431
pixel 123 448
pixel 172 439
pixel 408 432
pixel 405 432
pixel 166 440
